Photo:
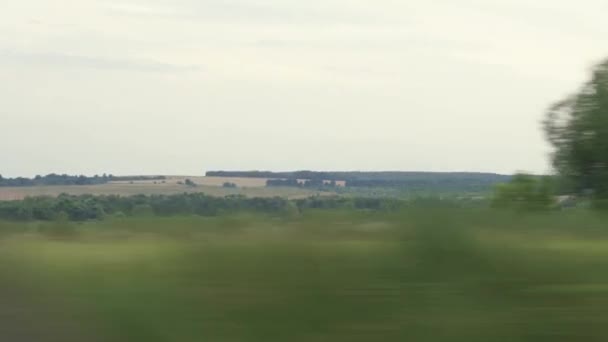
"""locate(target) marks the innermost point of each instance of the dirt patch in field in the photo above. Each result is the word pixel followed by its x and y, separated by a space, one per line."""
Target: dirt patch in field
pixel 219 181
pixel 168 188
pixel 8 195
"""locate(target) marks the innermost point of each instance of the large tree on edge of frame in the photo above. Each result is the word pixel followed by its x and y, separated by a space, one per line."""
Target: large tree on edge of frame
pixel 577 127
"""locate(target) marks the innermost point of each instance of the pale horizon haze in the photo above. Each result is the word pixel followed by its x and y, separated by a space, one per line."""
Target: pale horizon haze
pixel 185 86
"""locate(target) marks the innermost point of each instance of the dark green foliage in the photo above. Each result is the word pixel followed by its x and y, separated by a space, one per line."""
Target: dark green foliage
pixel 308 183
pixel 142 210
pixel 525 192
pixel 229 185
pixel 577 127
pixel 88 207
pixel 136 178
pixel 412 181
pixel 283 182
pixel 56 179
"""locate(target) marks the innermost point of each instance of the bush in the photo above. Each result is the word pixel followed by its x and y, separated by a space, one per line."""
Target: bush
pixel 525 192
pixel 88 207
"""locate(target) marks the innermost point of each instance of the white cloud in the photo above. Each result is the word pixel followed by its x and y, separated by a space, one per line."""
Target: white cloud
pixel 413 77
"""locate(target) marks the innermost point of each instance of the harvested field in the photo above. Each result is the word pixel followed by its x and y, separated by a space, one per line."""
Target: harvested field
pixel 219 181
pixel 208 185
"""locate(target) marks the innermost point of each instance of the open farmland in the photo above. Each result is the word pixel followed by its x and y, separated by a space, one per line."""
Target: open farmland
pixel 209 185
pixel 247 182
pixel 219 181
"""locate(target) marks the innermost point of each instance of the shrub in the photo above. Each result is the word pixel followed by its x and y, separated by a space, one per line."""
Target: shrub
pixel 525 192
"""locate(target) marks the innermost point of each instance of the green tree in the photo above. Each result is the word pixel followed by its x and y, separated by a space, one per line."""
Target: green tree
pixel 577 127
pixel 524 192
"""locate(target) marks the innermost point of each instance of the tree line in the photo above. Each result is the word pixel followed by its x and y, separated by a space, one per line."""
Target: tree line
pixel 462 184
pixel 89 207
pixel 360 175
pixel 64 179
pixel 457 181
pixel 308 183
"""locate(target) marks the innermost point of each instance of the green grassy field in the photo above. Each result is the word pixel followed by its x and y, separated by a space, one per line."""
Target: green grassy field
pixel 418 275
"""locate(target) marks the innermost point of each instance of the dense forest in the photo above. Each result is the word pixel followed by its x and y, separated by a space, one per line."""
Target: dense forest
pixel 63 179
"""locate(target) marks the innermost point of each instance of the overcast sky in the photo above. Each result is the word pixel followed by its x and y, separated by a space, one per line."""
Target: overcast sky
pixel 183 86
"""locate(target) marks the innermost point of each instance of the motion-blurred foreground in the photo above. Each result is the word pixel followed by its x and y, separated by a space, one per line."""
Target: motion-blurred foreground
pixel 416 275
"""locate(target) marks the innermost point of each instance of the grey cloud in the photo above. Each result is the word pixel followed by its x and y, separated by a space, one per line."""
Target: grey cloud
pixel 93 62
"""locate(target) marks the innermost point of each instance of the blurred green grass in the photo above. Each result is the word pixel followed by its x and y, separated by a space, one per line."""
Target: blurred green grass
pixel 415 275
